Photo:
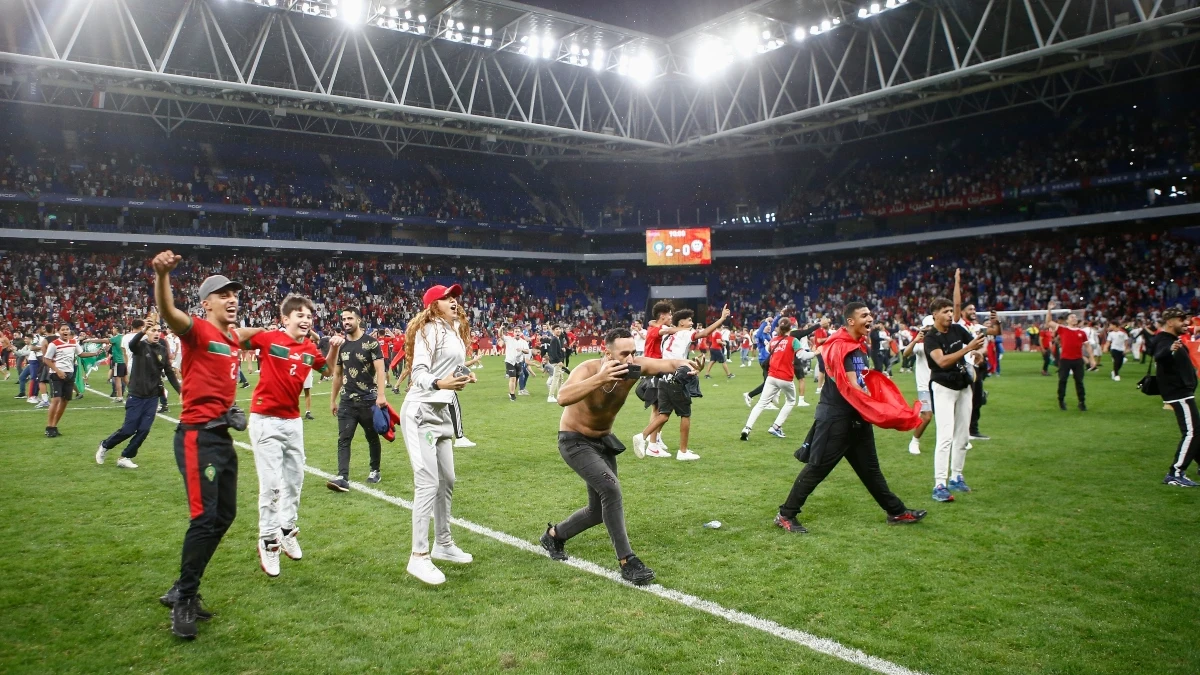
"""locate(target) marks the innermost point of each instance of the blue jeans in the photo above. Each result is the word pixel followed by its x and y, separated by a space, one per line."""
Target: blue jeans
pixel 523 377
pixel 28 374
pixel 139 416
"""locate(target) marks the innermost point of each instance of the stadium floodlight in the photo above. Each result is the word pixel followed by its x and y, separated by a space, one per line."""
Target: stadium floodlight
pixel 394 13
pixel 420 18
pixel 746 42
pixel 826 25
pixel 352 11
pixel 474 39
pixel 598 60
pixel 404 26
pixel 272 2
pixel 766 35
pixel 460 25
pixel 487 32
pixel 586 51
pixel 862 13
pixel 420 30
pixel 487 42
pixel 408 15
pixel 814 30
pixel 798 35
pixel 875 8
pixel 890 4
pixel 574 49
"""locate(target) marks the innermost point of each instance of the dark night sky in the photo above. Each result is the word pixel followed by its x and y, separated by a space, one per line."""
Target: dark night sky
pixel 657 17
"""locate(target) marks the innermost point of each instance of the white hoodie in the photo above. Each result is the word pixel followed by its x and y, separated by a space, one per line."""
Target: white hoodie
pixel 435 352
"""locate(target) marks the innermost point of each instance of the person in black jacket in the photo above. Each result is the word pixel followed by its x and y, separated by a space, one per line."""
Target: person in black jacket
pixel 556 354
pixel 151 362
pixel 1177 385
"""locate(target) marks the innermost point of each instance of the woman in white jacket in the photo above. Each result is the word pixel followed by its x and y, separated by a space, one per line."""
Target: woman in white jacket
pixel 438 340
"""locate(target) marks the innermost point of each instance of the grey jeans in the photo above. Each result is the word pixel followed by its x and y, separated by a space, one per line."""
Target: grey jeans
pixel 595 460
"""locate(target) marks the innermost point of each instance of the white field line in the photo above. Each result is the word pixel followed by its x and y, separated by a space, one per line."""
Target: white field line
pixel 813 642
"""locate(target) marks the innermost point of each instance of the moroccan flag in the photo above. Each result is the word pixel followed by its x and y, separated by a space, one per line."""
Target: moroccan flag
pixel 884 406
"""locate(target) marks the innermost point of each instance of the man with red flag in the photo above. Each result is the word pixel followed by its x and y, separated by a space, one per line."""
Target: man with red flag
pixel 854 399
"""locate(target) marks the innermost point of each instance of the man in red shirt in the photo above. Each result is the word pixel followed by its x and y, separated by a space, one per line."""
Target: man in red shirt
pixel 276 430
pixel 661 313
pixel 1074 344
pixel 819 337
pixel 203 447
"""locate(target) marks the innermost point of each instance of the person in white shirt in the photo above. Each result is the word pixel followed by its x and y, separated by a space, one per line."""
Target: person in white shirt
pixel 904 337
pixel 1093 339
pixel 914 352
pixel 515 351
pixel 639 338
pixel 437 340
pixel 673 396
pixel 60 358
pixel 1116 344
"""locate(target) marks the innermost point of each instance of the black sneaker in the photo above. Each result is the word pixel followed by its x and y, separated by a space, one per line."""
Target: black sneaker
pixel 163 409
pixel 52 432
pixel 553 545
pixel 308 415
pixel 245 385
pixel 1062 405
pixel 169 599
pixel 635 572
pixel 338 484
pixel 374 476
pixel 976 436
pixel 790 524
pixel 745 434
pixel 183 618
pixel 512 397
pixel 1082 406
pixel 907 518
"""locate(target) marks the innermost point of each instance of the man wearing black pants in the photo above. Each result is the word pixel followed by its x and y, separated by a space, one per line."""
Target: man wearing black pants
pixel 1074 344
pixel 203 447
pixel 1116 343
pixel 360 377
pixel 151 362
pixel 839 429
pixel 1177 384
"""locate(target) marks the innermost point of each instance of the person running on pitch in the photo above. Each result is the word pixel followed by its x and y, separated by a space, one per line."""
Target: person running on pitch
pixel 915 352
pixel 151 362
pixel 1075 352
pixel 857 399
pixel 785 350
pixel 591 398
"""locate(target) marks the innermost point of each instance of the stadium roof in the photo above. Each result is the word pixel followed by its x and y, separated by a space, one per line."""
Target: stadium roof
pixel 507 78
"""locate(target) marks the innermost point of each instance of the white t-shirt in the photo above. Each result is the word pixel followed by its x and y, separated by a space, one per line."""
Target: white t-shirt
pixel 514 349
pixel 725 333
pixel 63 354
pixel 176 349
pixel 1093 336
pixel 677 345
pixel 639 341
pixel 125 350
pixel 1118 340
pixel 922 367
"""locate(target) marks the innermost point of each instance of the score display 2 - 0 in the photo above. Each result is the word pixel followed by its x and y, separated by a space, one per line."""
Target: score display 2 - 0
pixel 680 246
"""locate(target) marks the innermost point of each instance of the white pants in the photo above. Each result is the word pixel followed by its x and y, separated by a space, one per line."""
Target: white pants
pixel 772 388
pixel 428 430
pixel 952 415
pixel 279 460
pixel 555 379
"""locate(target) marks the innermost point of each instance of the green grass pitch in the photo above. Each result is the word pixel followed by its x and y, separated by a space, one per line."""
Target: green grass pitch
pixel 1069 556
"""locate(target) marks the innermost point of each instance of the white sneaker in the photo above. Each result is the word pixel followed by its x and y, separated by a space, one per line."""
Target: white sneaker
pixel 31 399
pixel 1116 378
pixel 818 391
pixel 101 453
pixel 655 451
pixel 914 447
pixel 291 545
pixel 551 399
pixel 639 446
pixel 268 556
pixel 464 442
pixel 969 446
pixel 523 392
pixel 421 567
pixel 686 455
pixel 749 401
pixel 125 463
pixel 451 553
pixel 771 406
pixel 662 447
pixel 801 403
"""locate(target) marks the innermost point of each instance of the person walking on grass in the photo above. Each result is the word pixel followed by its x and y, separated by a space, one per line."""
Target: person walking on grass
pixel 914 351
pixel 152 363
pixel 438 339
pixel 948 347
pixel 1075 353
pixel 203 446
pixel 855 399
pixel 785 351
pixel 60 358
pixel 360 379
pixel 289 358
pixel 591 398
pixel 1176 379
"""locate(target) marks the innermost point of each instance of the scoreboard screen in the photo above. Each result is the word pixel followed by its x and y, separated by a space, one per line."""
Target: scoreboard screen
pixel 687 246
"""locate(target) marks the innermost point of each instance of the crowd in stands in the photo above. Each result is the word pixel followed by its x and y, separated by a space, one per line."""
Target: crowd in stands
pixel 1108 276
pixel 973 165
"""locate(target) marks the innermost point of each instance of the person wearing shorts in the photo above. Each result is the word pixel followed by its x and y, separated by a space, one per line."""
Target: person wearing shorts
pixel 915 350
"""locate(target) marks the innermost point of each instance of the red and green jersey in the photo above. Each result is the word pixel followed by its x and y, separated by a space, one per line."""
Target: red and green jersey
pixel 210 372
pixel 284 365
pixel 783 350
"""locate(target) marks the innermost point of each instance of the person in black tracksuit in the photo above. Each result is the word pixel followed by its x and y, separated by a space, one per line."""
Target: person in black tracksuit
pixel 840 431
pixel 359 376
pixel 150 363
pixel 1177 385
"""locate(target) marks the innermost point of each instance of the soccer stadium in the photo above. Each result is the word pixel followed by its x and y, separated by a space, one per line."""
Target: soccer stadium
pixel 474 336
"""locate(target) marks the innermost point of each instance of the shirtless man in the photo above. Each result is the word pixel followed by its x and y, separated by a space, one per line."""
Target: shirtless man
pixel 591 398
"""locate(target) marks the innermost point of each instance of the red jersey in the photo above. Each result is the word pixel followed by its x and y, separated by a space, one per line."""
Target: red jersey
pixel 702 344
pixel 285 365
pixel 1072 340
pixel 1045 338
pixel 653 342
pixel 210 372
pixel 819 337
pixel 783 357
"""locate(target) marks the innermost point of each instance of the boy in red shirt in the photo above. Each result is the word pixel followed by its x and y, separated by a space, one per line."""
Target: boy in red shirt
pixel 276 430
pixel 203 447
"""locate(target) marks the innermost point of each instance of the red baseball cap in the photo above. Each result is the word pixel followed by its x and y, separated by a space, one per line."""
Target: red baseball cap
pixel 438 292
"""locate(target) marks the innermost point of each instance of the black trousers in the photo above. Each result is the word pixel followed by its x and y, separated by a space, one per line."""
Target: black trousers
pixel 1045 360
pixel 833 439
pixel 1068 367
pixel 881 361
pixel 139 417
pixel 977 398
pixel 209 465
pixel 766 366
pixel 1189 444
pixel 350 416
pixel 1118 357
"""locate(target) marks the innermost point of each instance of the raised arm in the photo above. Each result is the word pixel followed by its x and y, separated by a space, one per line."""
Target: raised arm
pixel 177 319
pixel 705 332
pixel 957 295
pixel 1050 323
pixel 993 327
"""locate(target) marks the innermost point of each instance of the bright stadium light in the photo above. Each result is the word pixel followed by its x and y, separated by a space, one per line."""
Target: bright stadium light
pixel 487 42
pixel 460 25
pixel 862 13
pixel 598 60
pixel 487 32
pixel 352 11
pixel 746 42
pixel 875 8
pixel 826 25
pixel 798 35
pixel 420 18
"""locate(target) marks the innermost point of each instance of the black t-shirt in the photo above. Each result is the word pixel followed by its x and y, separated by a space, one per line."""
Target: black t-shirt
pixel 357 359
pixel 832 403
pixel 877 340
pixel 1176 374
pixel 955 376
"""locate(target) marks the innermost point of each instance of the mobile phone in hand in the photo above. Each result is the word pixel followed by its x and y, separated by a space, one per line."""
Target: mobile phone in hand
pixel 634 372
pixel 462 371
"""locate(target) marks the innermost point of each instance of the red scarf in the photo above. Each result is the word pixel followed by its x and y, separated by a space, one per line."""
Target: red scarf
pixel 884 406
